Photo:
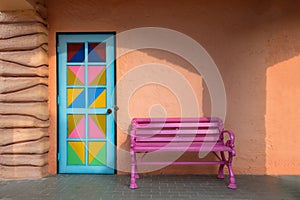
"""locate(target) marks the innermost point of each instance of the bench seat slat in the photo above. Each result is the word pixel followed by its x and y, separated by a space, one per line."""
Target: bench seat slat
pixel 181 163
pixel 176 125
pixel 176 132
pixel 177 139
pixel 154 120
pixel 147 147
pixel 179 144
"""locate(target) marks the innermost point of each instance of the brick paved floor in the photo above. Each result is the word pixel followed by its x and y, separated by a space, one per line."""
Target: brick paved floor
pixel 152 187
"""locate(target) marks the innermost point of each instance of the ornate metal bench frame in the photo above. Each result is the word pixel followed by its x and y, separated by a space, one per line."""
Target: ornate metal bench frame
pixel 181 134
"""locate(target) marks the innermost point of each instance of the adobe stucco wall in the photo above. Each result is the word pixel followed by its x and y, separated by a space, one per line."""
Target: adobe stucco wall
pixel 256 46
pixel 24 116
pixel 282 116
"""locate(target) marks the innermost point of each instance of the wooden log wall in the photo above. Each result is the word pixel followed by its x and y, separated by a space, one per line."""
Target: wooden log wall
pixel 24 113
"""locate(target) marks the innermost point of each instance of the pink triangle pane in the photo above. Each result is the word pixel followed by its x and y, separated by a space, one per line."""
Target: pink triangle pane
pixel 94 72
pixel 79 130
pixel 95 130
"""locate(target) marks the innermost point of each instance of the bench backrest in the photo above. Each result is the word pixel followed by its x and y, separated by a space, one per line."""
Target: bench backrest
pixel 145 130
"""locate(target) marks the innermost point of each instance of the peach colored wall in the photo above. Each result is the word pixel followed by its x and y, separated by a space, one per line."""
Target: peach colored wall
pixel 253 44
pixel 282 117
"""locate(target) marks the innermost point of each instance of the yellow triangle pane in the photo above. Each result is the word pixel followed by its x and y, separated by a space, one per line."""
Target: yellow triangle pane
pixel 72 122
pixel 72 79
pixel 100 101
pixel 100 79
pixel 78 147
pixel 94 148
pixel 73 94
pixel 100 120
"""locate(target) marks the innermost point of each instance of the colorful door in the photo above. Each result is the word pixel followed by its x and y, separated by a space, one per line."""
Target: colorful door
pixel 86 67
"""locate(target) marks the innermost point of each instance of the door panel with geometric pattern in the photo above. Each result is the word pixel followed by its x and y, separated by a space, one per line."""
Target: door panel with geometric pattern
pixel 86 71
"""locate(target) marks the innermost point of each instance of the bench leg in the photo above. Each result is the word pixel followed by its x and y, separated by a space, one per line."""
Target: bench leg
pixel 133 184
pixel 221 168
pixel 232 184
pixel 136 170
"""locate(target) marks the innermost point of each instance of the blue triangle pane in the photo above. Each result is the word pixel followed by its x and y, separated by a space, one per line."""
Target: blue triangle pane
pixel 94 57
pixel 96 52
pixel 93 93
pixel 75 52
pixel 79 102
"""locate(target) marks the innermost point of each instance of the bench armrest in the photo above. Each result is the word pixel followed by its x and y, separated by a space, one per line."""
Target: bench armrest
pixel 229 142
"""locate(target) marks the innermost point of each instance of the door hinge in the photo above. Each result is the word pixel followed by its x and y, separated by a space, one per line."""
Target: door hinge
pixel 58 156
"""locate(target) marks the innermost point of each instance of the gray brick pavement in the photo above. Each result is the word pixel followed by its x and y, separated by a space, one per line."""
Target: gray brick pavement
pixel 152 187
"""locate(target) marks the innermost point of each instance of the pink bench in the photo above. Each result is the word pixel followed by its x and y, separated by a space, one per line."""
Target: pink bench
pixel 181 134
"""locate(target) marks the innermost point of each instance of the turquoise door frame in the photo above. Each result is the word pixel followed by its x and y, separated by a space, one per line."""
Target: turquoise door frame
pixel 86 79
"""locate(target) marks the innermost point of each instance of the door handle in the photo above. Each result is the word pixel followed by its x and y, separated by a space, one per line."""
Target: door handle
pixel 109 110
